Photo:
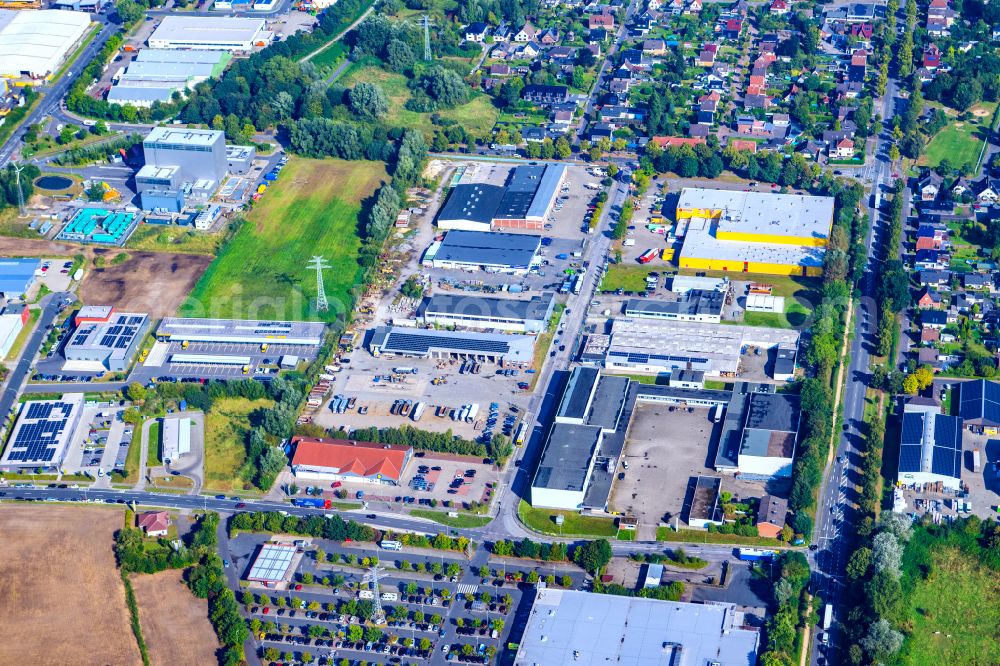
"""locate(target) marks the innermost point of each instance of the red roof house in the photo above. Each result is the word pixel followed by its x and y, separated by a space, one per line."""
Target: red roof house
pixel 675 141
pixel 153 523
pixel 346 460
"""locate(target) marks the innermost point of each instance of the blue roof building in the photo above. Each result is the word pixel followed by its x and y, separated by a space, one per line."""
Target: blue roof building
pixel 17 276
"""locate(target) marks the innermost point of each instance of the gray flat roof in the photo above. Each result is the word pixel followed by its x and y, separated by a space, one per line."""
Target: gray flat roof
pixel 576 397
pixel 692 302
pixel 178 56
pixel 114 337
pixel 772 424
pixel 422 342
pixel 546 191
pixel 609 399
pixel 585 629
pixel 705 500
pixel 167 137
pixel 566 457
pixel 207 29
pixel 477 202
pixel 535 308
pixel 488 248
pixel 659 391
pixel 16 275
pixel 249 331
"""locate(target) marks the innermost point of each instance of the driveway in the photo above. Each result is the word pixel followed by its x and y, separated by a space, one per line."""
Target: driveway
pixel 190 465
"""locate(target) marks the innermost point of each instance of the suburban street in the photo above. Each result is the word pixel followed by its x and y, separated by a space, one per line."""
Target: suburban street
pixel 837 494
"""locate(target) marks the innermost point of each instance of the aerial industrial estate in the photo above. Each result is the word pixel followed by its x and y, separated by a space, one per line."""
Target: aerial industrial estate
pixel 637 331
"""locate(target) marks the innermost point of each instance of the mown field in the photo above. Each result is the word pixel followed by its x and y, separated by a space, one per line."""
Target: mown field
pixel 477 116
pixel 960 142
pixel 312 209
pixel 954 613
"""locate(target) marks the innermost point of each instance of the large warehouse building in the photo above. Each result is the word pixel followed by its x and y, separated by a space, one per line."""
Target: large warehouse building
pixel 180 163
pixel 108 341
pixel 42 433
pixel 664 345
pixel 753 232
pixel 343 460
pixel 217 33
pixel 156 74
pixel 241 331
pixel 36 43
pixel 523 203
pixel 430 343
pixel 514 254
pixel 584 629
pixel 485 312
pixel 930 447
pixel 17 276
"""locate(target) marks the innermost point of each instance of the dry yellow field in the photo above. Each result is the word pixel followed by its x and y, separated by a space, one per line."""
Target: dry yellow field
pixel 174 622
pixel 61 597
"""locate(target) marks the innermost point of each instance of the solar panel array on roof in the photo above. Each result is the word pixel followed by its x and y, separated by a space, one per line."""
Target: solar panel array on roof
pixel 931 443
pixel 979 402
pixel 272 563
pixel 421 344
pixel 40 433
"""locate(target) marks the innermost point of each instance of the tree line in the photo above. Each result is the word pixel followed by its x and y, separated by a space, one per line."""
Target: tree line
pixel 789 580
pixel 499 447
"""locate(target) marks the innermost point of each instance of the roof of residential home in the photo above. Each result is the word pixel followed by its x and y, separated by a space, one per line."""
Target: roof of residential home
pixel 153 521
pixel 349 457
pixel 772 510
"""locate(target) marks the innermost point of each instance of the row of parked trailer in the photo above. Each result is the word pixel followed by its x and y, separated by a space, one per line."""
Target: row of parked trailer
pixel 465 413
pixel 408 408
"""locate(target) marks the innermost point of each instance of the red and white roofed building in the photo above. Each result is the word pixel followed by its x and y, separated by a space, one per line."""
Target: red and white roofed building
pixel 153 523
pixel 347 460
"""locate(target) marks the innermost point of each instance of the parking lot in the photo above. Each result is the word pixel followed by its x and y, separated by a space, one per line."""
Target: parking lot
pixel 262 362
pixel 101 441
pixel 666 447
pixel 433 607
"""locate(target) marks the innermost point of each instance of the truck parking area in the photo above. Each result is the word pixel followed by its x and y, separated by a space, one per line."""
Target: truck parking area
pixel 101 442
pixel 222 360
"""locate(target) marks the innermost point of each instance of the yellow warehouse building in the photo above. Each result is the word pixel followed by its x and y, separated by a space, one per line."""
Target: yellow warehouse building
pixel 753 232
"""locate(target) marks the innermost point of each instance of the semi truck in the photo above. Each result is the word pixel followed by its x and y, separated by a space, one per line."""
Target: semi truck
pixel 717 412
pixel 405 371
pixel 827 617
pixel 313 502
pixel 470 416
pixel 418 411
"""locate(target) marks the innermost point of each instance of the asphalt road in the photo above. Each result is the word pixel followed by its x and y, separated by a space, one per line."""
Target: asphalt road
pixel 53 93
pixel 20 373
pixel 832 531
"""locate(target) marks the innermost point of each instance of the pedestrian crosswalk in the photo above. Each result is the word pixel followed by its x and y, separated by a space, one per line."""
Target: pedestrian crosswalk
pixel 466 588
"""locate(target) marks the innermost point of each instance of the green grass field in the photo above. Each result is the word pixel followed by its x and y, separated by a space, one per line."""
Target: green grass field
pixel 331 56
pixel 477 116
pixel 261 273
pixel 463 520
pixel 543 520
pixel 182 240
pixel 954 613
pixel 960 142
pixel 226 425
pixel 153 445
pixel 627 276
pixel 699 536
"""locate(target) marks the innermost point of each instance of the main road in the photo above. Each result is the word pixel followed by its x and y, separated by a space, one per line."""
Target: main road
pixel 832 531
pixel 53 93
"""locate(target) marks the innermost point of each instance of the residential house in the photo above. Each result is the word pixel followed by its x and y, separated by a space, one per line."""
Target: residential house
pixel 732 28
pixel 743 145
pixel 502 33
pixel 929 186
pixel 862 32
pixel 933 278
pixel 655 47
pixel 562 117
pixel 676 7
pixel 779 7
pixel 621 115
pixel 600 131
pixel 928 336
pixel 693 8
pixel 476 32
pixel 549 37
pixel 928 298
pixel 500 69
pixel 781 119
pixel 154 523
pixel 928 259
pixel 771 515
pixel 933 319
pixel 987 190
pixel 929 356
pixel 561 54
pixel 932 57
pixel 940 18
pixel 697 131
pixel 675 141
pixel 706 58
pixel 842 150
pixel 597 36
pixel 526 34
pixel 540 94
pixel 606 21
pixel 859 66
pixel 976 281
